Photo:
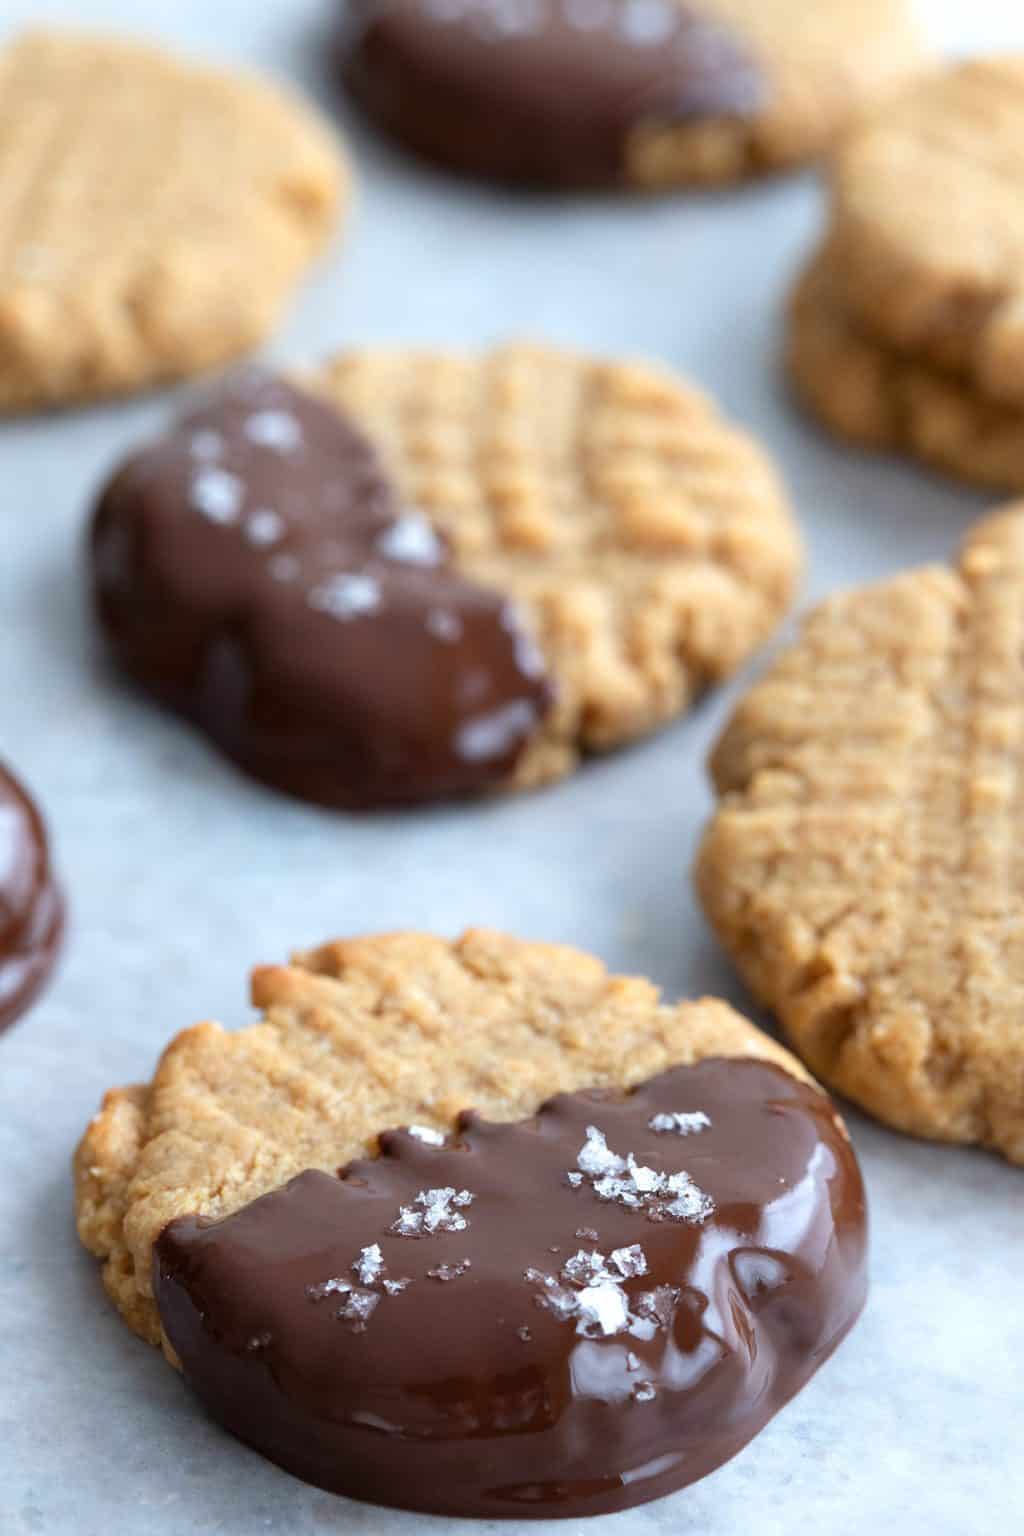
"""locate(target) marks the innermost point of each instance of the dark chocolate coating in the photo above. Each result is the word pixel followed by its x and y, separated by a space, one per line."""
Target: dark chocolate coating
pixel 257 571
pixel 541 92
pixel 486 1389
pixel 31 908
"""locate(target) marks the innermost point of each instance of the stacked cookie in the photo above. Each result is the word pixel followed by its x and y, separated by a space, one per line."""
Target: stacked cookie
pixel 907 330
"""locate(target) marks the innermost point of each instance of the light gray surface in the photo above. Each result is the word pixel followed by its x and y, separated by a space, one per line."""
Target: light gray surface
pixel 181 875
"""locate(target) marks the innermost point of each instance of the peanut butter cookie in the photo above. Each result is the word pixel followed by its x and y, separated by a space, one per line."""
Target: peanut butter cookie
pixel 636 93
pixel 863 867
pixel 317 1221
pixel 928 224
pixel 410 576
pixel 154 215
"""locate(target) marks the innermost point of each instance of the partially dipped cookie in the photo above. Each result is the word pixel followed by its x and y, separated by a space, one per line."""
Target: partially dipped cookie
pixel 862 867
pixel 31 906
pixel 411 576
pixel 154 214
pixel 620 93
pixel 548 1306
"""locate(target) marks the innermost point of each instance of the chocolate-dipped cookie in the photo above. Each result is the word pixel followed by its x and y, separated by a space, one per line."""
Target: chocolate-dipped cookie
pixel 482 1314
pixel 415 577
pixel 31 908
pixel 606 93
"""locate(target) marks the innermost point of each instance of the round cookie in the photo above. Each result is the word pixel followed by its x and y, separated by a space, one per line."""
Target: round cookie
pixel 872 395
pixel 524 1281
pixel 154 215
pixel 31 907
pixel 928 225
pixel 637 93
pixel 419 575
pixel 862 868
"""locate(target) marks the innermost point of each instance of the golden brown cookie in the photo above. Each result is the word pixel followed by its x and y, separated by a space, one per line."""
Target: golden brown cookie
pixel 446 573
pixel 874 396
pixel 929 226
pixel 358 1037
pixel 641 93
pixel 863 866
pixel 154 214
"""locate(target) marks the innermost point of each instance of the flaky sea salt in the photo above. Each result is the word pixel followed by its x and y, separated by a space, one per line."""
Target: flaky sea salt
pixel 217 495
pixel 333 1287
pixel 680 1124
pixel 396 1287
pixel 277 430
pixel 370 1264
pixel 348 595
pixel 603 1310
pixel 624 1181
pixel 438 1213
pixel 487 737
pixel 412 541
pixel 427 1134
pixel 644 1392
pixel 449 1271
pixel 630 1262
pixel 264 527
pixel 359 1307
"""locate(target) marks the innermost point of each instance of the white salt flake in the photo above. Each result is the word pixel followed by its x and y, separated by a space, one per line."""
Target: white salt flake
pixel 603 1310
pixel 333 1287
pixel 595 1157
pixel 358 1308
pixel 436 1213
pixel 346 596
pixel 584 1268
pixel 588 1234
pixel 644 1392
pixel 490 736
pixel 524 1334
pixel 426 1133
pixel 412 541
pixel 624 1181
pixel 575 1179
pixel 263 527
pixel 450 1271
pixel 277 430
pixel 679 1124
pixel 630 1262
pixel 396 1287
pixel 657 1307
pixel 632 1361
pixel 218 495
pixel 370 1264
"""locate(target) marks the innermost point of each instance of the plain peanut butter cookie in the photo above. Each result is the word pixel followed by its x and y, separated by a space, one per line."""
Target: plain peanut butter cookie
pixel 367 1212
pixel 864 869
pixel 154 215
pixel 874 396
pixel 411 576
pixel 929 223
pixel 635 93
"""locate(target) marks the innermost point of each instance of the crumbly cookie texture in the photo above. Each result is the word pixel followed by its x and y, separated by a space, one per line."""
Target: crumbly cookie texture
pixel 872 395
pixel 356 1038
pixel 154 215
pixel 821 64
pixel 864 867
pixel 649 544
pixel 929 227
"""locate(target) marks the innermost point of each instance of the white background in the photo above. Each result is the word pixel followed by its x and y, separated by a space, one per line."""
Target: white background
pixel 181 875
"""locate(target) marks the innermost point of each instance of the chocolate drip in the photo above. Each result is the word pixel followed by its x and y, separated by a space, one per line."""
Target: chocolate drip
pixel 31 910
pixel 542 92
pixel 257 571
pixel 524 1321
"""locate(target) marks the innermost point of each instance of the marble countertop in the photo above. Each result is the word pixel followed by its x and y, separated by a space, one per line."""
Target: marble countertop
pixel 181 875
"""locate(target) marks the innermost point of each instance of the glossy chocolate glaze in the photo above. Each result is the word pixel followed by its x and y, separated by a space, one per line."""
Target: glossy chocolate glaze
pixel 257 571
pixel 571 1338
pixel 31 909
pixel 541 92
